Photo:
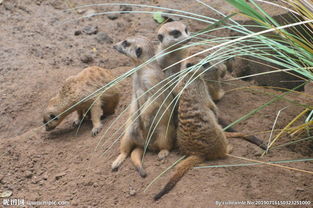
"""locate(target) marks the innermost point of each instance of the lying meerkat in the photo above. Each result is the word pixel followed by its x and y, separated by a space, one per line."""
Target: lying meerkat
pixel 75 89
pixel 140 49
pixel 199 136
pixel 172 35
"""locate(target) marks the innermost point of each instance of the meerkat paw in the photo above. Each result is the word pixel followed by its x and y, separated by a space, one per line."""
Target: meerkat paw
pixel 163 154
pixel 118 162
pixel 221 93
pixel 95 131
pixel 76 123
pixel 229 149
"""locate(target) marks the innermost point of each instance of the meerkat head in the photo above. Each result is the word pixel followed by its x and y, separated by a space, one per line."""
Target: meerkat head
pixel 173 32
pixel 138 48
pixel 51 117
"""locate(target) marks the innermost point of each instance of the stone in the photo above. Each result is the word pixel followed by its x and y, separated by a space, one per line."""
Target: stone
pixel 90 30
pixel 103 37
pixel 125 9
pixel 59 175
pixel 113 16
pixel 86 59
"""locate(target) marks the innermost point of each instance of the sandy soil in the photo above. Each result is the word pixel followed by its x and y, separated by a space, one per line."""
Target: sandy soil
pixel 39 49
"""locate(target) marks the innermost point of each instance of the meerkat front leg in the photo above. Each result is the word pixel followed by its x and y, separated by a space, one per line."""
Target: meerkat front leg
pixel 126 147
pixel 165 139
pixel 79 117
pixel 96 113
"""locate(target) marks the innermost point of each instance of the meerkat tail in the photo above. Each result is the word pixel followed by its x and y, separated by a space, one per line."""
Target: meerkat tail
pixel 180 171
pixel 231 132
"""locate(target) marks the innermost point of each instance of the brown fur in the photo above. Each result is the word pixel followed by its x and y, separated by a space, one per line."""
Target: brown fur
pixel 199 136
pixel 75 89
pixel 139 49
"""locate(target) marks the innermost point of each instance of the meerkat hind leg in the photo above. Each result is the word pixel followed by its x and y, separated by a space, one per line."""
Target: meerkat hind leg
pixel 96 113
pixel 136 157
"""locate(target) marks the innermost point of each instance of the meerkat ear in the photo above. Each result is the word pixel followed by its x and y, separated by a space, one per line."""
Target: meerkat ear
pixel 160 37
pixel 138 52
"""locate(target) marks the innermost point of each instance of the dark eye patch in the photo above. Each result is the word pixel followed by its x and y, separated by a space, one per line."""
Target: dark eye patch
pixel 52 116
pixel 206 65
pixel 175 33
pixel 189 65
pixel 160 37
pixel 138 52
pixel 125 43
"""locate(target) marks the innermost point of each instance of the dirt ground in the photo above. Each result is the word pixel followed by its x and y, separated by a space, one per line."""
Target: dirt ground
pixel 41 44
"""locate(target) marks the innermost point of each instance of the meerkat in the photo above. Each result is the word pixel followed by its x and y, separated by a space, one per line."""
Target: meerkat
pixel 199 136
pixel 140 49
pixel 75 89
pixel 172 36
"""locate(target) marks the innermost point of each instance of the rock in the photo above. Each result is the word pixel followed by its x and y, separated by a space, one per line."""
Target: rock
pixel 81 11
pixel 90 12
pixel 299 189
pixel 132 192
pixel 45 176
pixel 113 16
pixel 90 30
pixel 86 59
pixel 59 175
pixel 77 32
pixel 28 174
pixel 6 194
pixel 35 180
pixel 125 8
pixel 103 37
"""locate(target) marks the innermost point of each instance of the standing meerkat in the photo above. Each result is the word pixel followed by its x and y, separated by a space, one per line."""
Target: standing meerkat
pixel 140 49
pixel 75 89
pixel 199 136
pixel 172 36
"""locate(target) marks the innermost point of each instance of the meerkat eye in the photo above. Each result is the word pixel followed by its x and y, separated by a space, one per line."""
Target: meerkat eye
pixel 189 65
pixel 125 44
pixel 52 116
pixel 138 52
pixel 206 65
pixel 175 33
pixel 186 30
pixel 160 37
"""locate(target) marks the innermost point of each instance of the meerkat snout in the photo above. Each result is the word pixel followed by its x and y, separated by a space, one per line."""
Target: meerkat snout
pixel 50 121
pixel 133 48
